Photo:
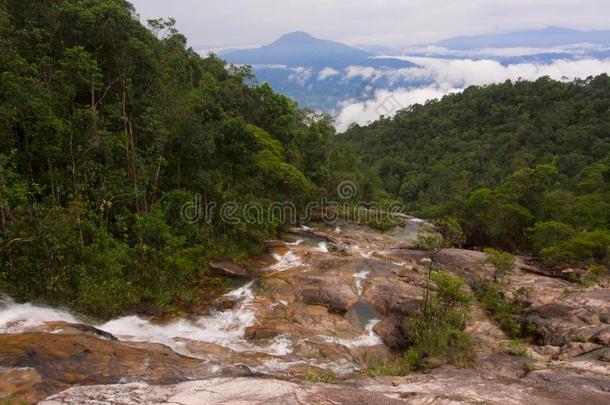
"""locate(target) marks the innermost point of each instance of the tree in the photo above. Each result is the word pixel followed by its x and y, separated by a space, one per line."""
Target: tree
pixel 502 262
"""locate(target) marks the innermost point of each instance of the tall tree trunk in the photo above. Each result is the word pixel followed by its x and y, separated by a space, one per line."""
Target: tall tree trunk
pixel 130 146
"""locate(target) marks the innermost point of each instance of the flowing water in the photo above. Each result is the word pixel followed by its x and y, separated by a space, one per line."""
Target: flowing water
pixel 292 335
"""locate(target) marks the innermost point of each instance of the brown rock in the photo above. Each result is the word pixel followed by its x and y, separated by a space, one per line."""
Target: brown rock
pixel 393 332
pixel 575 349
pixel 388 299
pixel 64 360
pixel 273 244
pixel 605 356
pixel 227 268
pixel 602 337
pixel 260 332
pixel 338 298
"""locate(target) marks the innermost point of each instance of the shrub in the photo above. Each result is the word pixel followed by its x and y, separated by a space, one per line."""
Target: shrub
pixel 517 348
pixel 438 333
pixel 546 234
pixel 585 248
pixel 504 311
pixel 503 263
pixel 324 376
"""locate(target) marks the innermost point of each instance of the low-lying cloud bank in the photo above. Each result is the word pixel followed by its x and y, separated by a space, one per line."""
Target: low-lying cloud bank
pixel 438 77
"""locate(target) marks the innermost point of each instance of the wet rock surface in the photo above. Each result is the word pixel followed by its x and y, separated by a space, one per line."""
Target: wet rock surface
pixel 497 380
pixel 338 298
pixel 228 269
pixel 394 333
pixel 323 300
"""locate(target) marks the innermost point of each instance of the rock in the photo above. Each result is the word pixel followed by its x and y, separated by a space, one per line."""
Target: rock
pixel 605 318
pixel 338 298
pixel 551 351
pixel 551 311
pixel 148 309
pixel 446 385
pixel 546 332
pixel 602 337
pixel 64 360
pixel 260 332
pixel 392 298
pixel 227 268
pixel 433 362
pixel 274 244
pixel 223 391
pixel 91 330
pixel 24 386
pixel 605 356
pixel 588 317
pixel 240 370
pixel 394 333
pixel 575 349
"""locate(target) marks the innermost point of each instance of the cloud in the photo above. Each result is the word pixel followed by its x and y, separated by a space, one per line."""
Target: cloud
pixel 444 76
pixel 327 72
pixel 300 75
pixel 364 72
pixel 465 72
pixel 385 102
pixel 270 66
pixel 208 23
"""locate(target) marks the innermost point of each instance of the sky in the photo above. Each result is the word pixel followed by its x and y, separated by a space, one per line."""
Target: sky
pixel 213 24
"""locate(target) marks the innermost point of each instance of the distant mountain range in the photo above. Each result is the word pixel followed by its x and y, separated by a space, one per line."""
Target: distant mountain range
pixel 325 75
pixel 544 38
pixel 299 49
pixel 317 73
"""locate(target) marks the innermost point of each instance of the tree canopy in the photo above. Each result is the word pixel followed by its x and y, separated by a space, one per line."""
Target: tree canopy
pixel 522 165
pixel 107 129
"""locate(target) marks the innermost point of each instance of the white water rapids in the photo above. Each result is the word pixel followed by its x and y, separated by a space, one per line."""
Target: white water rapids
pixel 285 262
pixel 224 328
pixel 227 328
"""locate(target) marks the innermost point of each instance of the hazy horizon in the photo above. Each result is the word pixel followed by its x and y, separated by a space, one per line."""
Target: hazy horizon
pixel 395 23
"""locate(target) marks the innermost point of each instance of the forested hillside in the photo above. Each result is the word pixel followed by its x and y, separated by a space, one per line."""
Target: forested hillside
pixel 521 166
pixel 107 129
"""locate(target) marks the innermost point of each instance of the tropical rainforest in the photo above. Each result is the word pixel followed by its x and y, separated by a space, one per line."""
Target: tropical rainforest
pixel 521 166
pixel 109 128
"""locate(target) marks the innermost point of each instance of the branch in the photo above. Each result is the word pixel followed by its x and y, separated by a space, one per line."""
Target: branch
pixel 25 240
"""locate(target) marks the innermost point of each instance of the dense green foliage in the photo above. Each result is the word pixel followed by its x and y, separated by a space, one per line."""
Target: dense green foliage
pixel 521 165
pixel 438 332
pixel 107 129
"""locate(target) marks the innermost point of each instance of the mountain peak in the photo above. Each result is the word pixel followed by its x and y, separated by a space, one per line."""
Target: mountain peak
pixel 295 38
pixel 300 49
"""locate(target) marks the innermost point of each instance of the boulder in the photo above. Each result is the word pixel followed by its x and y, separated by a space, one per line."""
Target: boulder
pixel 65 328
pixel 392 298
pixel 228 268
pixel 338 298
pixel 60 361
pixel 546 331
pixel 260 332
pixel 604 356
pixel 575 349
pixel 394 333
pixel 274 244
pixel 553 311
pixel 602 337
